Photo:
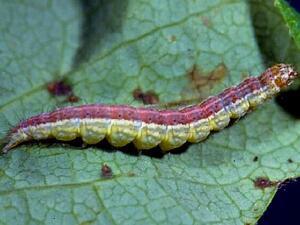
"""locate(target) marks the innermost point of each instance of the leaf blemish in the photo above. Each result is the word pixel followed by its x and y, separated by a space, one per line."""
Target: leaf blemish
pixel 73 98
pixel 62 88
pixel 172 38
pixel 204 81
pixel 59 88
pixel 149 97
pixel 106 171
pixel 264 182
pixel 131 174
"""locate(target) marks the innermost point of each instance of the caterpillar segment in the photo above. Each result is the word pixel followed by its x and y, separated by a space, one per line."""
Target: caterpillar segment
pixel 148 128
pixel 149 136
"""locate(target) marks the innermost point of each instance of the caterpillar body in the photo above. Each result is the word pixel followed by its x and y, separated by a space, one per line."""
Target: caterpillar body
pixel 147 127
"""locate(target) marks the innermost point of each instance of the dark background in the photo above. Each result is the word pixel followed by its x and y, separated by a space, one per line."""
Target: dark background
pixel 295 4
pixel 285 207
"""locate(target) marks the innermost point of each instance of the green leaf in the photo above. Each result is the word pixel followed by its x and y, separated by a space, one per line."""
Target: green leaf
pixel 107 49
pixel 292 19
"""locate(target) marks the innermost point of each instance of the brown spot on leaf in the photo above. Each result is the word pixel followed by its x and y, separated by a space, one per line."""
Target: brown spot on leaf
pixel 131 174
pixel 173 38
pixel 203 81
pixel 73 98
pixel 62 88
pixel 255 158
pixel 106 171
pixel 264 182
pixel 59 88
pixel 148 97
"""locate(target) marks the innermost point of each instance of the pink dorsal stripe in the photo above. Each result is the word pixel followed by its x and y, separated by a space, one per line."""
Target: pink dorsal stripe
pixel 148 115
pixel 167 117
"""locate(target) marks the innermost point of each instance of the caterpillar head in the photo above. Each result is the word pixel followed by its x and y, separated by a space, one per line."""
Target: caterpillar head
pixel 279 76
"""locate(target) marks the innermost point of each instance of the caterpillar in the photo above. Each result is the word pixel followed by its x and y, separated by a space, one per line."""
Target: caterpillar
pixel 148 127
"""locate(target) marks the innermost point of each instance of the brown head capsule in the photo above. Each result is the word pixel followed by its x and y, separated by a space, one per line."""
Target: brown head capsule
pixel 279 76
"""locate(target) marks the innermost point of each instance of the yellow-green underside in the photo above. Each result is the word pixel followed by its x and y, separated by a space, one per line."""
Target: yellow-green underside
pixel 120 132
